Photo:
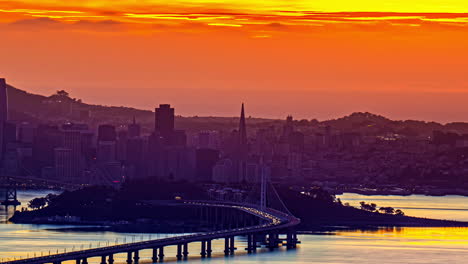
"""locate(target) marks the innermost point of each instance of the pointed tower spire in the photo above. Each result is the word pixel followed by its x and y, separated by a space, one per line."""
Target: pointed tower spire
pixel 242 128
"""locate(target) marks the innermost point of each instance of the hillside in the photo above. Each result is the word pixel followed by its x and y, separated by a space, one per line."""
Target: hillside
pixel 35 108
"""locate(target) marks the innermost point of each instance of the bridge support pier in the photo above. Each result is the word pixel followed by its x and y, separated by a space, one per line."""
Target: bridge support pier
pixel 84 261
pixel 78 261
pixel 208 248
pixel 185 252
pixel 129 257
pixel 155 255
pixel 111 259
pixel 161 254
pixel 272 241
pixel 103 260
pixel 232 247
pixel 226 246
pixel 136 257
pixel 203 249
pixel 249 243
pixel 179 252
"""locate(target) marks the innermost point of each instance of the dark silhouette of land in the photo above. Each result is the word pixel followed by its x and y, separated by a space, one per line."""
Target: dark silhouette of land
pixel 123 210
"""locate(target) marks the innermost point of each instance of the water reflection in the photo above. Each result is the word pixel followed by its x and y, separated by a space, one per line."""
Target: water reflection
pixel 451 207
pixel 366 246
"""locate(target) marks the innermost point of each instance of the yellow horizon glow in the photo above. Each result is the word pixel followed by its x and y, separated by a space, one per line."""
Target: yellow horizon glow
pixel 236 12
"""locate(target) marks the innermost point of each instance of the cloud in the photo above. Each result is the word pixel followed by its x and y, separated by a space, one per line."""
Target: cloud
pixel 42 21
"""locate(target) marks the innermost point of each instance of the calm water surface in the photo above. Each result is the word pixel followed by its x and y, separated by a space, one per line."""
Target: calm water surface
pixel 395 245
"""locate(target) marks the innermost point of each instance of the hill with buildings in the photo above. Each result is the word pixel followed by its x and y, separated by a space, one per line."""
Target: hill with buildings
pixel 61 107
pixel 63 138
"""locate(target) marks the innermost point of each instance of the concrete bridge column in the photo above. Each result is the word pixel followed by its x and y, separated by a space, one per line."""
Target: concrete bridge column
pixel 294 238
pixel 289 240
pixel 203 249
pixel 129 257
pixel 249 243
pixel 78 261
pixel 155 255
pixel 226 246
pixel 179 252
pixel 161 254
pixel 272 241
pixel 85 261
pixel 232 247
pixel 254 243
pixel 136 257
pixel 111 259
pixel 185 252
pixel 208 248
pixel 103 260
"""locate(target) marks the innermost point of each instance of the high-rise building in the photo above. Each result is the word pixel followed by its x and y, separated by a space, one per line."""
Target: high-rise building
pixel 241 155
pixel 242 129
pixel 3 115
pixel 134 129
pixel 107 133
pixel 288 127
pixel 3 101
pixel 107 144
pixel 71 149
pixel 64 165
pixel 47 138
pixel 164 117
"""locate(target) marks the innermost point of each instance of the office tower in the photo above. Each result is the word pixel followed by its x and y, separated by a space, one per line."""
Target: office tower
pixel 242 149
pixel 121 146
pixel 288 127
pixel 242 129
pixel 107 144
pixel 64 165
pixel 207 140
pixel 107 133
pixel 47 138
pixel 71 149
pixel 164 117
pixel 206 159
pixel 3 115
pixel 135 158
pixel 134 129
pixel 26 132
pixel 3 101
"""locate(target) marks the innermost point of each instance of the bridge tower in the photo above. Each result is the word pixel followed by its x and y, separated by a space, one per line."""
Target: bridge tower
pixel 263 186
pixel 11 197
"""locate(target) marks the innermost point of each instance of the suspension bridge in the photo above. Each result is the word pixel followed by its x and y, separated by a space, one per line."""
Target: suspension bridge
pixel 264 222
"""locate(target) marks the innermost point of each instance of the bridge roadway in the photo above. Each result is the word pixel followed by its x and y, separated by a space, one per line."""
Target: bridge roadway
pixel 275 221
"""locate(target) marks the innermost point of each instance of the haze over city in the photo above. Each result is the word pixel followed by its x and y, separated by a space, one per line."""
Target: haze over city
pixel 316 60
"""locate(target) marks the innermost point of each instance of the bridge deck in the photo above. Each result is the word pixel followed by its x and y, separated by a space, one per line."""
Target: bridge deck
pixel 275 221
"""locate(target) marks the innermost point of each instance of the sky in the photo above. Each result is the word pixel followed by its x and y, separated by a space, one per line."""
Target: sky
pixel 312 59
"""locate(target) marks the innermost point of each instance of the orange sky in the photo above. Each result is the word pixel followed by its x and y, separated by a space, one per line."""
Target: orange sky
pixel 313 59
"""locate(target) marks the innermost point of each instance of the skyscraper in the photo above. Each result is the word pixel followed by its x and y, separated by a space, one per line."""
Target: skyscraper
pixel 107 133
pixel 134 129
pixel 242 149
pixel 242 128
pixel 3 115
pixel 164 117
pixel 106 147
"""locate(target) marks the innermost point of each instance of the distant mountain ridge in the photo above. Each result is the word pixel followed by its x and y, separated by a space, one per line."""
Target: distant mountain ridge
pixel 35 108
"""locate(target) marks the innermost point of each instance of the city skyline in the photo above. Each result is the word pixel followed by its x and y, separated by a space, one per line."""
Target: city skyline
pixel 284 112
pixel 404 59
